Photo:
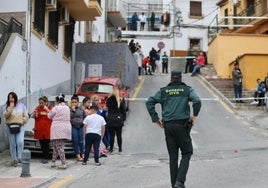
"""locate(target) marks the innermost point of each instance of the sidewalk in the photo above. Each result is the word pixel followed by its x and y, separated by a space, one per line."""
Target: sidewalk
pixel 40 173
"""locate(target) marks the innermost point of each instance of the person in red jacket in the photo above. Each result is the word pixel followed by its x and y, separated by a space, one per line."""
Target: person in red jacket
pixel 146 65
pixel 200 62
pixel 42 126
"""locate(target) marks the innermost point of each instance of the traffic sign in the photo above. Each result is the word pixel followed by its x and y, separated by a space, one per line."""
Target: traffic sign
pixel 161 45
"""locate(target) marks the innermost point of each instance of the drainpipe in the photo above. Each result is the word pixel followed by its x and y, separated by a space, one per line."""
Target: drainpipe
pixel 28 54
pixel 73 72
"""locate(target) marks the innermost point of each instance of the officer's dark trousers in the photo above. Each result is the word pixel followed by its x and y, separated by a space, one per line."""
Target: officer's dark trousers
pixel 178 138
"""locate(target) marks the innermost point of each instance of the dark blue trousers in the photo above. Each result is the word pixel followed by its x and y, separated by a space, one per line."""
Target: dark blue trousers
pixel 92 139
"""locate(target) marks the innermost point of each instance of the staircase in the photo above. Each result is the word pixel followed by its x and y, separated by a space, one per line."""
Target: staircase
pixel 6 29
pixel 225 86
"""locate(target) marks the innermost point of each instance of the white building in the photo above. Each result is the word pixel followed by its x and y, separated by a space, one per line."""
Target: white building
pixel 188 28
pixel 45 67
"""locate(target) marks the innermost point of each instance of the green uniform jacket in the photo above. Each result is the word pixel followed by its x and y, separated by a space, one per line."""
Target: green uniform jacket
pixel 174 100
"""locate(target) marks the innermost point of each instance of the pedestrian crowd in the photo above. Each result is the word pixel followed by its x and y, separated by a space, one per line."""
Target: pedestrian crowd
pixel 90 126
pixel 153 63
pixel 143 20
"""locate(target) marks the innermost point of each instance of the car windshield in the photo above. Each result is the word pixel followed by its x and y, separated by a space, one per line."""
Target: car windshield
pixel 97 88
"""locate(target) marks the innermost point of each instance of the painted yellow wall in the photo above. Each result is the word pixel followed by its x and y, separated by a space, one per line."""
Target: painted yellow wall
pixel 224 49
pixel 253 66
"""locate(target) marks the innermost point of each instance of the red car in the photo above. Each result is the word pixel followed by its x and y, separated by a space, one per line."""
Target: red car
pixel 103 86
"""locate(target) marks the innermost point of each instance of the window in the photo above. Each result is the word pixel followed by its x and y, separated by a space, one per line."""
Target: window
pixel 53 27
pixel 39 16
pixel 68 38
pixel 226 15
pixel 195 8
pixel 97 88
pixel 195 44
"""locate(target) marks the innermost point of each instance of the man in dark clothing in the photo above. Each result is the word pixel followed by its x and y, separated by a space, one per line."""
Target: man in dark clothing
pixel 237 82
pixel 177 123
pixel 189 62
pixel 152 55
pixel 165 63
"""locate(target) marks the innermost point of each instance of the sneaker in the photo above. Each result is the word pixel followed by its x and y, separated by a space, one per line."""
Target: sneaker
pixel 98 164
pixel 254 102
pixel 84 163
pixel 53 165
pixel 19 160
pixel 63 166
pixel 111 151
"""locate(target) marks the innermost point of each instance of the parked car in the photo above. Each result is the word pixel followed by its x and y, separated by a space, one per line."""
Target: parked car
pixel 32 144
pixel 103 86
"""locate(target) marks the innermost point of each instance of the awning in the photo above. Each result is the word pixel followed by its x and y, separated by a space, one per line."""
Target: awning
pixel 116 19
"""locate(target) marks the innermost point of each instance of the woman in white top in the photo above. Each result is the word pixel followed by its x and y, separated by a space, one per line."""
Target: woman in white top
pixel 142 19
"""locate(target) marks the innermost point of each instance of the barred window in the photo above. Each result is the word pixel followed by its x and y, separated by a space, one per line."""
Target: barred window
pixel 68 38
pixel 39 16
pixel 53 27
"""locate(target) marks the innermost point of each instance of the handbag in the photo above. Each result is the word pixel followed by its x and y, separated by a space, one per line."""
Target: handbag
pixel 115 120
pixel 14 129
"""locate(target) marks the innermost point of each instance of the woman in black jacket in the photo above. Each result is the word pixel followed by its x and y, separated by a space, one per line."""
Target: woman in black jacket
pixel 115 119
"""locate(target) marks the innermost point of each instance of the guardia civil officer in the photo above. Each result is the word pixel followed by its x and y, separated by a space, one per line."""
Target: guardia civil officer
pixel 176 118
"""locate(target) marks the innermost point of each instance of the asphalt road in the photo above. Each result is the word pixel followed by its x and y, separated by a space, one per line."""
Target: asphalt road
pixel 228 151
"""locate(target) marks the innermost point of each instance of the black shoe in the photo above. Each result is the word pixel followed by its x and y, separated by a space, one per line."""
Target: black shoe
pixel 179 185
pixel 84 163
pixel 15 163
pixel 241 101
pixel 103 155
pixel 44 161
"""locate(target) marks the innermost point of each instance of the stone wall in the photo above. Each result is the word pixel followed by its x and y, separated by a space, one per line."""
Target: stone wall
pixel 115 58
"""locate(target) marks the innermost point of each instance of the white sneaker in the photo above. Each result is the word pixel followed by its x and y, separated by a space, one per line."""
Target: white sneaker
pixel 254 102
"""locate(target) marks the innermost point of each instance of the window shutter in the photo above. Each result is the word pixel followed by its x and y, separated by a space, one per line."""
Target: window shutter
pixel 195 8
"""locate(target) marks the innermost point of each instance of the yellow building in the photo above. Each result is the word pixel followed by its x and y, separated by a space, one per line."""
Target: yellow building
pixel 241 32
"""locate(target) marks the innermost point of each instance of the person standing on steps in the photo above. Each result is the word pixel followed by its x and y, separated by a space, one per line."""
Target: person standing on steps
pixel 237 83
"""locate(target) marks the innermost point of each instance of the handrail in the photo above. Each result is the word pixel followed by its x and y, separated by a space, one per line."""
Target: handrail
pixel 14 26
pixel 3 25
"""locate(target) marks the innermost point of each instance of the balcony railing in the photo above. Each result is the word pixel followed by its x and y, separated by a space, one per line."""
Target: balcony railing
pixel 3 25
pixel 158 9
pixel 259 8
pixel 14 26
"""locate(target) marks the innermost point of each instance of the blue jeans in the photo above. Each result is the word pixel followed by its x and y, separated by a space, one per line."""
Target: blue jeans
pixel 16 143
pixel 196 69
pixel 78 140
pixel 106 137
pixel 238 91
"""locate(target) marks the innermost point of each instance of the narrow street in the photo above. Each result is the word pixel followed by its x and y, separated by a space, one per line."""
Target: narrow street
pixel 228 151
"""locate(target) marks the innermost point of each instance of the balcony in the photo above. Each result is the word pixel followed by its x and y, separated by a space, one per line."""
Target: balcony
pixel 252 19
pixel 83 10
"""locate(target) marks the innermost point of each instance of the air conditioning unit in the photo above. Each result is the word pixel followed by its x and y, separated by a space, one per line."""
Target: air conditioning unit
pixel 64 16
pixel 51 5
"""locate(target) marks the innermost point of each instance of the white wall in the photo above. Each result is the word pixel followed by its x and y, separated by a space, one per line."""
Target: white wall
pixel 48 67
pixel 13 73
pixel 13 5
